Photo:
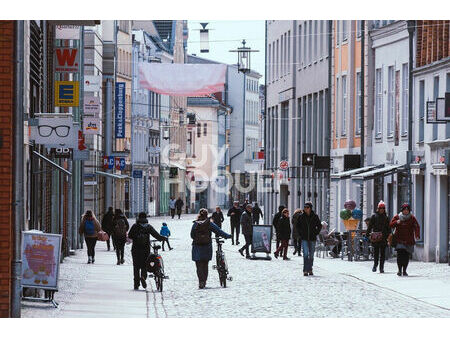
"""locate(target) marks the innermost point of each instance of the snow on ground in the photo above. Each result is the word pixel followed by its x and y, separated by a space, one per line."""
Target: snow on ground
pixel 274 288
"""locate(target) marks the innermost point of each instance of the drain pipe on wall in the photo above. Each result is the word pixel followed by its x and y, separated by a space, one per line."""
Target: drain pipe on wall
pixel 18 193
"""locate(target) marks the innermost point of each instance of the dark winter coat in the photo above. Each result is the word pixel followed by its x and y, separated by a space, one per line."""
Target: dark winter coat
pixel 179 204
pixel 294 220
pixel 236 218
pixel 217 218
pixel 247 223
pixel 284 225
pixel 256 213
pixel 405 231
pixel 107 222
pixel 309 227
pixel 114 222
pixel 142 227
pixel 379 223
pixel 204 252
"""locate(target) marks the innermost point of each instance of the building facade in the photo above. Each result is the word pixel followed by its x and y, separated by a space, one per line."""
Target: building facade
pixel 431 141
pixel 297 71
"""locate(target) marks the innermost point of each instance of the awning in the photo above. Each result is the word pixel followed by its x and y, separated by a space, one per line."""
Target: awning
pixel 347 174
pixel 377 172
pixel 52 163
pixel 179 166
pixel 117 176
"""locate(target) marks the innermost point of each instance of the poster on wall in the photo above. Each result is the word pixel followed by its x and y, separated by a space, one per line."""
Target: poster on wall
pixel 67 60
pixel 91 106
pixel 92 83
pixel 40 260
pixel 120 110
pixel 262 238
pixel 54 132
pixel 67 32
pixel 92 126
pixel 67 94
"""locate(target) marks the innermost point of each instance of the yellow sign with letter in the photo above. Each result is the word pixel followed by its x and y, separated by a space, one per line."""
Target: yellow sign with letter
pixel 67 94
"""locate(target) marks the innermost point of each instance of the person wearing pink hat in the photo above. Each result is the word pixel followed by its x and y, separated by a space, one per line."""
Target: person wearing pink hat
pixel 378 230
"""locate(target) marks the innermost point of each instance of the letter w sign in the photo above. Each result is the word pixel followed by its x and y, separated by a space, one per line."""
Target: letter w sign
pixel 67 60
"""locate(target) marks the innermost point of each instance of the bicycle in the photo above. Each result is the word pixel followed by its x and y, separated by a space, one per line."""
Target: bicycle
pixel 155 266
pixel 221 264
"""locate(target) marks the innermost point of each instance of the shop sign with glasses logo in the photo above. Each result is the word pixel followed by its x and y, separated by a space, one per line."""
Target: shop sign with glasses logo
pixel 54 132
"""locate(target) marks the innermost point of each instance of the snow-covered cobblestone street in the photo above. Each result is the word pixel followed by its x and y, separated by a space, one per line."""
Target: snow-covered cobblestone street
pixel 259 288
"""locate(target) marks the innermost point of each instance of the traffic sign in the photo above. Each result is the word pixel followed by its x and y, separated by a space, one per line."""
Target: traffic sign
pixel 284 165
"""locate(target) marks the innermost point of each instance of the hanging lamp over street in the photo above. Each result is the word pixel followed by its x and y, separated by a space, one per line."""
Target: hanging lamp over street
pixel 244 56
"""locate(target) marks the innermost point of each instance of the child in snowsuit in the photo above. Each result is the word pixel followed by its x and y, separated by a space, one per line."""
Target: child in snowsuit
pixel 166 233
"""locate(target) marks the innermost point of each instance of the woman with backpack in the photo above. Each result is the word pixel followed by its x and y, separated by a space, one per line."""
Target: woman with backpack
pixel 202 244
pixel 90 228
pixel 120 227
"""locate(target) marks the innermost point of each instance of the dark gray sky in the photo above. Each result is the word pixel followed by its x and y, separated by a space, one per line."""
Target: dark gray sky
pixel 228 34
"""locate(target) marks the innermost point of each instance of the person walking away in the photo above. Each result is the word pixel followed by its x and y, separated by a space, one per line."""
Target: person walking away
pixel 308 226
pixel 235 218
pixel 119 235
pixel 256 213
pixel 140 249
pixel 166 233
pixel 407 231
pixel 179 206
pixel 378 232
pixel 284 232
pixel 217 217
pixel 172 206
pixel 247 230
pixel 295 235
pixel 202 244
pixel 107 225
pixel 275 223
pixel 244 205
pixel 90 228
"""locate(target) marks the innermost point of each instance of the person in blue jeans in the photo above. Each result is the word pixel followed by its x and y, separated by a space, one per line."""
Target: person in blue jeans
pixel 166 233
pixel 308 226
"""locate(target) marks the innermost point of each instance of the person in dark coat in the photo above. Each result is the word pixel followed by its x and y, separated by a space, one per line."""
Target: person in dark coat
pixel 284 231
pixel 217 217
pixel 244 205
pixel 202 252
pixel 120 237
pixel 275 223
pixel 179 206
pixel 256 213
pixel 235 218
pixel 247 230
pixel 407 230
pixel 107 225
pixel 140 249
pixel 308 227
pixel 295 234
pixel 378 231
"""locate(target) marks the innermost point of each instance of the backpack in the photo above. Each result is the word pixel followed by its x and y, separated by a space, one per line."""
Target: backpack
pixel 89 227
pixel 202 233
pixel 141 238
pixel 120 229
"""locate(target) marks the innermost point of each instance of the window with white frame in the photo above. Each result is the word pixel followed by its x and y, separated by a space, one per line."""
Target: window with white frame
pixel 378 102
pixel 310 42
pixel 338 31
pixel 344 30
pixel 337 108
pixel 288 53
pixel 269 69
pixel 391 101
pixel 405 98
pixel 358 103
pixel 344 106
pixel 358 28
pixel 299 45
pixel 278 59
pixel 304 44
pixel 321 37
pixel 316 39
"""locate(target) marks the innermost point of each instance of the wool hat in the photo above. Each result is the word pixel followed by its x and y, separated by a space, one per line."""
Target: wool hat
pixel 406 206
pixel 309 204
pixel 164 224
pixel 381 204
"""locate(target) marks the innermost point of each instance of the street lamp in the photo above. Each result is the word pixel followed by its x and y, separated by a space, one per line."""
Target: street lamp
pixel 244 57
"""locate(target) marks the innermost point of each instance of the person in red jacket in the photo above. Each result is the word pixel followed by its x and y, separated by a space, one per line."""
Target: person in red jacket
pixel 407 231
